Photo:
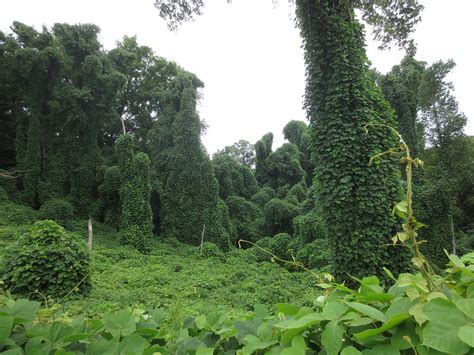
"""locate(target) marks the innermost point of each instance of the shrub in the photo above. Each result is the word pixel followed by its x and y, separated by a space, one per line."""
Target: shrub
pixel 280 245
pixel 298 191
pixel 277 245
pixel 315 255
pixel 283 166
pixel 3 195
pixel 263 196
pixel 246 217
pixel 279 216
pixel 212 250
pixel 58 210
pixel 308 228
pixel 47 260
pixel 234 178
pixel 14 214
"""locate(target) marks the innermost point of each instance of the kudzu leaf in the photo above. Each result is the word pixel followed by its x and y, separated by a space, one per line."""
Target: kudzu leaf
pixel 287 309
pixel 331 338
pixel 441 332
pixel 368 311
pixel 334 310
pixel 350 350
pixel 304 322
pixel 24 311
pixel 392 322
pixel 466 334
pixel 204 351
pixel 6 325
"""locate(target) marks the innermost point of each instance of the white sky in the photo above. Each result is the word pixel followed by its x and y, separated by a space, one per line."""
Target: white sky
pixel 249 54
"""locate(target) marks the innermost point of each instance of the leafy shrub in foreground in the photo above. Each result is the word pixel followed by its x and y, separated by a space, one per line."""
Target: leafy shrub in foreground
pixel 57 209
pixel 408 318
pixel 47 260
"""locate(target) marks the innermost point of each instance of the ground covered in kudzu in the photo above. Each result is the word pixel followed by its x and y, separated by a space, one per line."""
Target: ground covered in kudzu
pixel 172 275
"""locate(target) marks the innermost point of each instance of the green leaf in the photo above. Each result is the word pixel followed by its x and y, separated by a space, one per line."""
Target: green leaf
pixel 441 333
pixel 287 309
pixel 389 273
pixel 385 349
pixel 375 296
pixel 133 344
pixel 102 347
pixel 24 311
pixel 304 322
pixel 16 351
pixel 397 306
pixel 417 312
pixel 392 322
pixel 261 311
pixel 298 347
pixel 350 350
pixel 77 337
pixel 253 343
pixel 264 332
pixel 455 260
pixel 120 323
pixel 368 311
pixel 6 325
pixel 204 351
pixel 334 310
pixel 466 334
pixel 331 338
pixel 467 306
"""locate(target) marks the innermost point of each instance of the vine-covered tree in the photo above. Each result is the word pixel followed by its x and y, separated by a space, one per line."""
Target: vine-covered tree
pixel 401 87
pixel 136 224
pixel 190 201
pixel 234 178
pixel 340 100
pixel 355 199
pixel 263 148
pixel 283 166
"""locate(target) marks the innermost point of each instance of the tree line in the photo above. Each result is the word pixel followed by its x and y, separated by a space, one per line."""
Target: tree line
pixel 115 134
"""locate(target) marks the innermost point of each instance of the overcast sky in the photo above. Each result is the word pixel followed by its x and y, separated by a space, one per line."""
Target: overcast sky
pixel 249 54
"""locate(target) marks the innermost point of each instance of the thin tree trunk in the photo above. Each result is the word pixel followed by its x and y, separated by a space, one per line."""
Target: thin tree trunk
pixel 453 237
pixel 89 240
pixel 202 236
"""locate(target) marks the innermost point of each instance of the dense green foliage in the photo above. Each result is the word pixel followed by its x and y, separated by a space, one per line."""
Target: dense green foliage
pixel 241 151
pixel 190 202
pixel 136 224
pixel 234 179
pixel 59 210
pixel 263 148
pixel 355 200
pixel 47 262
pixel 283 166
pixel 247 218
pixel 115 137
pixel 406 318
pixel 279 216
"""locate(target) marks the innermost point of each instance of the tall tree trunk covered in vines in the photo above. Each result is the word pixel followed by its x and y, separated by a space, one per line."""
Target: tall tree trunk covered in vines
pixel 355 199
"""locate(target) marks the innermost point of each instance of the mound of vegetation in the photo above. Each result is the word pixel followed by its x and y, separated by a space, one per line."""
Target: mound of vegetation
pixel 46 262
